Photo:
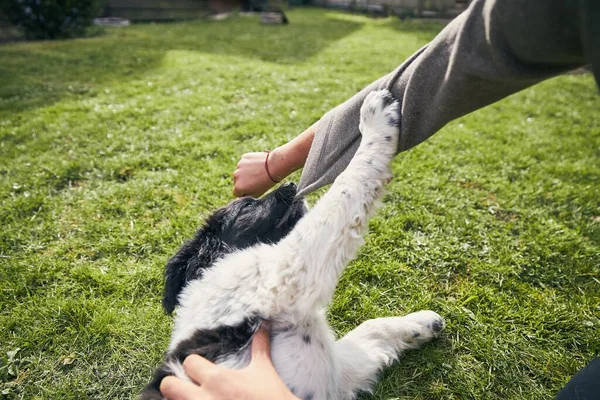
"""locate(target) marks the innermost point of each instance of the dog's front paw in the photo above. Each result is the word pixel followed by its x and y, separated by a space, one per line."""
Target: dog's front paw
pixel 380 119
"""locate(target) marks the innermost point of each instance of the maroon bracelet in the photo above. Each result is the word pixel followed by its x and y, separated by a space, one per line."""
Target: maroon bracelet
pixel 267 166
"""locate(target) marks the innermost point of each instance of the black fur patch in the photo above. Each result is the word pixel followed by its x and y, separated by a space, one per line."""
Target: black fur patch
pixel 387 99
pixel 212 344
pixel 219 342
pixel 152 391
pixel 437 325
pixel 190 262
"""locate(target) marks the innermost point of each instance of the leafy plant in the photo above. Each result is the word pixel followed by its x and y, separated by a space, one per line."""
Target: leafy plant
pixel 51 19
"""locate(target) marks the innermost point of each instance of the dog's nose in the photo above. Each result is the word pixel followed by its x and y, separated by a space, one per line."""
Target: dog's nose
pixel 286 191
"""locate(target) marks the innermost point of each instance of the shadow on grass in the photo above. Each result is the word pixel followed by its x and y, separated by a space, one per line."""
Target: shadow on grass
pixel 39 73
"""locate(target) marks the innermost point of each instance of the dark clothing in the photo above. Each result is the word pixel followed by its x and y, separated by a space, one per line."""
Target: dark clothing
pixel 585 385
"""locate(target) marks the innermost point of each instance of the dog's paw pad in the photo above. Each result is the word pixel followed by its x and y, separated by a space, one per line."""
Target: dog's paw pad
pixel 437 325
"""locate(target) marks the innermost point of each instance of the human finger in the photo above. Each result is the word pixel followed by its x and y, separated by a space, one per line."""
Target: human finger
pixel 177 389
pixel 199 368
pixel 239 183
pixel 261 344
pixel 238 191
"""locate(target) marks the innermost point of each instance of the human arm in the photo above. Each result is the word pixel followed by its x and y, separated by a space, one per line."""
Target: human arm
pixel 492 50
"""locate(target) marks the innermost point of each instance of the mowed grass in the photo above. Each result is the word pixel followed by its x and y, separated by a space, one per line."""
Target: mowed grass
pixel 113 149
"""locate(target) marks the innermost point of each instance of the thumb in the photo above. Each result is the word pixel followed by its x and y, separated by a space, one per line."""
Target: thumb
pixel 261 345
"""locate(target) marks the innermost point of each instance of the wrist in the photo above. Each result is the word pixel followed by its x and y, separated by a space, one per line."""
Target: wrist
pixel 279 163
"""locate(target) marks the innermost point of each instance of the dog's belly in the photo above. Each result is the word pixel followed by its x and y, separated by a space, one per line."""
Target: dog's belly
pixel 304 359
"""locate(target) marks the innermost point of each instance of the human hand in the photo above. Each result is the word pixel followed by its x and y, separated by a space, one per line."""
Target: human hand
pixel 258 381
pixel 251 177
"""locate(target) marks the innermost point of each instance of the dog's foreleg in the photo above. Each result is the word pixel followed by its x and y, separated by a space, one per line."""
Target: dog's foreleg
pixel 328 237
pixel 377 343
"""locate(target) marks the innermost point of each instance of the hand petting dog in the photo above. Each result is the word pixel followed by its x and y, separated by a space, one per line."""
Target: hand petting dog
pixel 258 381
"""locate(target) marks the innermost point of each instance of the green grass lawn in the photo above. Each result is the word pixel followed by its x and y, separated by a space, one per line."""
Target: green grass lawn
pixel 113 149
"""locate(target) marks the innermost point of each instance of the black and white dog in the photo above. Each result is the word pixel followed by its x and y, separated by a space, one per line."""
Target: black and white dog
pixel 265 260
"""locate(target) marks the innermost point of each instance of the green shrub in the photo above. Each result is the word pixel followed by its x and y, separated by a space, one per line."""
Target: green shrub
pixel 51 19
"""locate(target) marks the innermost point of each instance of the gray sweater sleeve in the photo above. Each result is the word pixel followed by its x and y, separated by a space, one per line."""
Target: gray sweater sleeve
pixel 493 49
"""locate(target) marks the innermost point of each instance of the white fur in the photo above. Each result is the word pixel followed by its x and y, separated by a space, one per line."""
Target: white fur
pixel 291 283
pixel 177 370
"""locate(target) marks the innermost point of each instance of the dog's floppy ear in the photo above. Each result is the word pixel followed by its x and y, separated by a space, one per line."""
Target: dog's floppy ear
pixel 189 263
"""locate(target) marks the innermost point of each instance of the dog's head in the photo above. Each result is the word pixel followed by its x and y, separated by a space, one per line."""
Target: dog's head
pixel 241 224
pixel 248 221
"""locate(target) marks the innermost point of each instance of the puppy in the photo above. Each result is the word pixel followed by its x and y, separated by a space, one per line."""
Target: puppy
pixel 265 260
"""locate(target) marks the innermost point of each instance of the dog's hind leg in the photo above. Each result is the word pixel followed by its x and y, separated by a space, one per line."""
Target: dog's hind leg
pixel 328 237
pixel 377 343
